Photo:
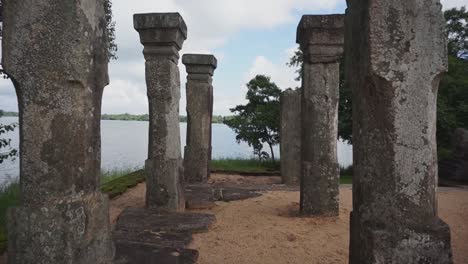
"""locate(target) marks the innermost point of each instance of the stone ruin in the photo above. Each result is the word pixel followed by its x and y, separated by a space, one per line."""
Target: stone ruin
pixel 58 65
pixel 197 156
pixel 321 41
pixel 395 56
pixel 290 133
pixel 162 35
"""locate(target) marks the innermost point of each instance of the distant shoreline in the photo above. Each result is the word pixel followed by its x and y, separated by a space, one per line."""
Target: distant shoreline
pixel 129 117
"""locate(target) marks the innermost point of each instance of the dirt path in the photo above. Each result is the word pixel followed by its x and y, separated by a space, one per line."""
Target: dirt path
pixel 134 197
pixel 267 230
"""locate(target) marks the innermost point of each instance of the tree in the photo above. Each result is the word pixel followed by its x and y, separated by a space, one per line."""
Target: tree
pixel 452 103
pixel 457 31
pixel 6 151
pixel 452 111
pixel 258 122
pixel 110 28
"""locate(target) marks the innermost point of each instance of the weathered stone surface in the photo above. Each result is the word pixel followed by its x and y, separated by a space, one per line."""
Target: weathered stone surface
pixel 154 236
pixel 197 156
pixel 456 167
pixel 56 54
pixel 132 253
pixel 199 196
pixel 396 53
pixel 321 41
pixel 290 132
pixel 229 194
pixel 321 38
pixel 162 35
pixel 155 220
pixel 74 229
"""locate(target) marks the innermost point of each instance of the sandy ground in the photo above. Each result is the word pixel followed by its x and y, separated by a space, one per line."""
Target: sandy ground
pixel 267 229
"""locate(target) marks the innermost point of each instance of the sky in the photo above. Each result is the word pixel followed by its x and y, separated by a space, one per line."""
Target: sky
pixel 248 37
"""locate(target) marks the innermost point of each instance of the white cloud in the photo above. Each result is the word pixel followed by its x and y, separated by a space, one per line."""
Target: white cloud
pixel 447 4
pixel 125 96
pixel 280 73
pixel 210 25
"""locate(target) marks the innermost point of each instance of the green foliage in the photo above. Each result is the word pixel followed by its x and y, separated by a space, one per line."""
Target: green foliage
pixel 9 197
pixel 452 103
pixel 145 117
pixel 296 62
pixel 457 31
pixel 10 114
pixel 345 112
pixel 6 151
pixel 257 122
pixel 110 29
pixel 125 117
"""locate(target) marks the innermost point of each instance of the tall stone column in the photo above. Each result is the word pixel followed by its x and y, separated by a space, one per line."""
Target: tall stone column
pixel 197 156
pixel 321 41
pixel 396 54
pixel 162 35
pixel 290 132
pixel 56 55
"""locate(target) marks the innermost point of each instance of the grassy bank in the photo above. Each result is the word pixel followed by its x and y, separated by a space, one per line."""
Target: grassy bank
pixel 8 198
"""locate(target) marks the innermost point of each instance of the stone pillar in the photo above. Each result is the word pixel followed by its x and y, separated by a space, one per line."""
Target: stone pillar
pixel 290 132
pixel 162 35
pixel 197 155
pixel 56 55
pixel 321 41
pixel 396 54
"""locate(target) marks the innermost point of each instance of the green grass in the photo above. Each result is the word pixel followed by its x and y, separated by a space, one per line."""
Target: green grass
pixel 115 186
pixel 8 198
pixel 111 175
pixel 346 175
pixel 244 165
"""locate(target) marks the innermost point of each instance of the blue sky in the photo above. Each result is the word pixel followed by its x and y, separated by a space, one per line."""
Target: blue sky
pixel 248 37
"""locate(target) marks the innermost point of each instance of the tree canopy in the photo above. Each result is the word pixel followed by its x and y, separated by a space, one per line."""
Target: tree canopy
pixel 258 122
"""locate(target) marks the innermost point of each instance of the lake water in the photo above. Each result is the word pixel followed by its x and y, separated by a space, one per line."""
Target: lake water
pixel 124 145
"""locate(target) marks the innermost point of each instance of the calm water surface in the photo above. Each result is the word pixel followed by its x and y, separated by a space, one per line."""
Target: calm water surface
pixel 124 145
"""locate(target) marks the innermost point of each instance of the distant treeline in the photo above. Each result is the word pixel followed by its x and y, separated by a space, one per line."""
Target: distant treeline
pixel 129 117
pixel 3 113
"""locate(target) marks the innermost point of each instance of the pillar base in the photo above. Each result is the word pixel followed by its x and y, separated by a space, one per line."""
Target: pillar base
pixel 428 243
pixel 73 229
pixel 165 184
pixel 196 164
pixel 320 190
